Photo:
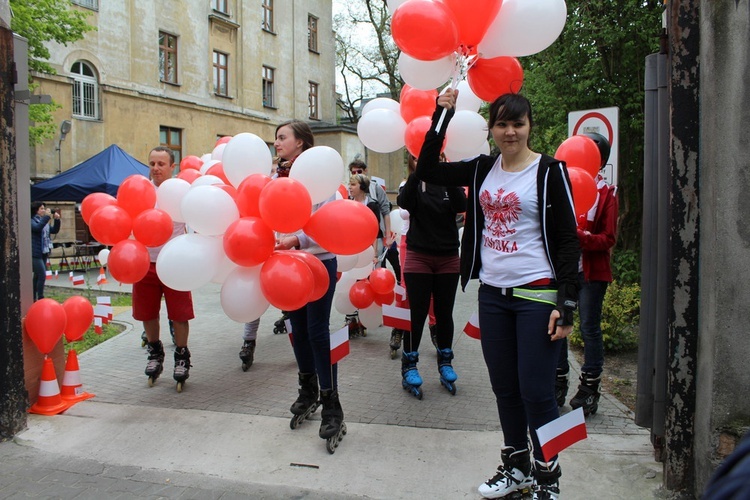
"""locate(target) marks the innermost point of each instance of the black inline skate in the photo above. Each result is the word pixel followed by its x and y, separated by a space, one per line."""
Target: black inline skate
pixel 561 387
pixel 546 480
pixel 155 364
pixel 395 343
pixel 513 479
pixel 279 325
pixel 181 366
pixel 356 328
pixel 332 426
pixel 588 394
pixel 448 376
pixel 411 380
pixel 307 401
pixel 247 354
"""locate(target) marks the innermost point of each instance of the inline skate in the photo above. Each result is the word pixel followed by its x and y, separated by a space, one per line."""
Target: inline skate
pixel 546 480
pixel 448 376
pixel 181 366
pixel 411 380
pixel 588 394
pixel 513 479
pixel 247 354
pixel 332 426
pixel 279 325
pixel 356 328
pixel 561 387
pixel 307 401
pixel 155 364
pixel 395 343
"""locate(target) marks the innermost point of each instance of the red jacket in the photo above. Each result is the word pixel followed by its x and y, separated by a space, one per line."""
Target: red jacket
pixel 598 236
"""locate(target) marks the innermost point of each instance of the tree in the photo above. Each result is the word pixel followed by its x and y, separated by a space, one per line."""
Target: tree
pixel 42 21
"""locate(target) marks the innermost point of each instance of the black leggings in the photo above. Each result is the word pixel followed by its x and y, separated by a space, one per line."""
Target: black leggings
pixel 442 289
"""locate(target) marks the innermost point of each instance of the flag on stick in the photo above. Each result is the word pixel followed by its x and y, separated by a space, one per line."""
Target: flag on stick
pixel 397 317
pixel 562 432
pixel 55 274
pixel 98 325
pixel 70 276
pixel 48 274
pixel 472 326
pixel 78 280
pixel 339 345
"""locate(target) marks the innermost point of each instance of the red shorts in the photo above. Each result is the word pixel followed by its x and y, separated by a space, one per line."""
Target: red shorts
pixel 147 295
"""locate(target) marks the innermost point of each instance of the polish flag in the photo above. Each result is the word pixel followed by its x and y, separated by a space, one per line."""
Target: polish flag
pixel 48 274
pixel 78 280
pixel 397 317
pixel 339 345
pixel 562 432
pixel 472 327
pixel 106 303
pixel 55 274
pixel 70 276
pixel 400 292
pixel 104 312
pixel 97 325
pixel 288 325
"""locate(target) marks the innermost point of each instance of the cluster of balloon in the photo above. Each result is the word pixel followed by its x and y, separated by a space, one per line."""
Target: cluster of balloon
pixel 233 207
pixel 583 160
pixel 47 320
pixel 474 44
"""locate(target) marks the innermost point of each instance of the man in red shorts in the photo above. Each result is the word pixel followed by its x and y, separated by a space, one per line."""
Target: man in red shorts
pixel 148 292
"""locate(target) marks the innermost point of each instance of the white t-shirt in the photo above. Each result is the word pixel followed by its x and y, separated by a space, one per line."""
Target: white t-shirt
pixel 511 249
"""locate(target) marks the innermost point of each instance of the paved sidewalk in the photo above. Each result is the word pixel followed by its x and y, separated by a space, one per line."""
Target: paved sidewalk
pixel 227 434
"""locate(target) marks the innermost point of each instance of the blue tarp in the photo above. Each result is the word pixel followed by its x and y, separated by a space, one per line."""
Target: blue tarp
pixel 101 173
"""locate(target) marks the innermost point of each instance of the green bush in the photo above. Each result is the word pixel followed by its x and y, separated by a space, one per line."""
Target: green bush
pixel 626 266
pixel 620 318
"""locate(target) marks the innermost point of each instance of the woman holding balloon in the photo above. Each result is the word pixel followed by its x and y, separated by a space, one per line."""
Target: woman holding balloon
pixel 311 323
pixel 520 241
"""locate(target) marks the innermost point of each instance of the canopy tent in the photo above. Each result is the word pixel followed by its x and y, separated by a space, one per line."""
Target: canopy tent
pixel 101 173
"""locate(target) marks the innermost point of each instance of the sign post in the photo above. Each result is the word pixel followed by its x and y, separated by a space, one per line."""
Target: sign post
pixel 604 121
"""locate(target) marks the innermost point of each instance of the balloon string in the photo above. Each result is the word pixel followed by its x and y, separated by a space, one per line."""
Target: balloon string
pixel 464 62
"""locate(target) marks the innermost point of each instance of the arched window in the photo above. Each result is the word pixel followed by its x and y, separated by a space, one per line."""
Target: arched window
pixel 85 91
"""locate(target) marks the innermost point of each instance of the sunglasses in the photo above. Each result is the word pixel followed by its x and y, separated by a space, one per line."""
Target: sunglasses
pixel 357 171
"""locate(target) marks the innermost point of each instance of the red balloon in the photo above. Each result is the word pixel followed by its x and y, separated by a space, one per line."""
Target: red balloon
pixel 414 102
pixel 190 162
pixel 285 205
pixel 473 21
pixel 229 189
pixel 344 227
pixel 217 169
pixel 189 175
pixel 415 133
pixel 584 190
pixel 80 314
pixel 319 271
pixel 136 194
pixel 491 78
pixel 248 194
pixel 45 322
pixel 580 151
pixel 128 261
pixel 361 294
pixel 110 224
pixel 383 299
pixel 424 29
pixel 223 140
pixel 152 227
pixel 286 281
pixel 248 241
pixel 94 201
pixel 382 280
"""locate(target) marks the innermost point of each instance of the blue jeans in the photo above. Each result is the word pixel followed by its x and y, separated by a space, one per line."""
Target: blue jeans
pixel 311 332
pixel 590 301
pixel 39 271
pixel 521 360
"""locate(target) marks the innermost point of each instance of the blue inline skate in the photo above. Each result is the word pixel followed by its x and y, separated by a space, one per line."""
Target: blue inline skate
pixel 411 380
pixel 448 377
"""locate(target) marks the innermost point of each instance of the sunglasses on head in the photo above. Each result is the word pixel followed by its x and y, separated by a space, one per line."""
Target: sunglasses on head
pixel 357 171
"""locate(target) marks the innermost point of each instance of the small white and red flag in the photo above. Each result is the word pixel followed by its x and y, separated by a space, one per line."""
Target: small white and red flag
pixel 70 276
pixel 339 345
pixel 106 302
pixel 562 432
pixel 397 317
pixel 48 274
pixel 472 326
pixel 56 274
pixel 400 292
pixel 97 325
pixel 78 280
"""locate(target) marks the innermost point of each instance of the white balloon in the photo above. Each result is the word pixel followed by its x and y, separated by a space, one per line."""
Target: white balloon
pixel 426 75
pixel 209 210
pixel 382 130
pixel 364 258
pixel 206 157
pixel 189 261
pixel 361 273
pixel 372 316
pixel 467 131
pixel 460 154
pixel 396 221
pixel 207 164
pixel 342 303
pixel 206 180
pixel 467 99
pixel 381 103
pixel 241 296
pixel 345 263
pixel 225 267
pixel 345 282
pixel 218 151
pixel 103 256
pixel 524 27
pixel 246 154
pixel 169 197
pixel 320 170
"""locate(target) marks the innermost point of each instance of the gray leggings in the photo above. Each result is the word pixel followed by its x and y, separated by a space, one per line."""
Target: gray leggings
pixel 251 330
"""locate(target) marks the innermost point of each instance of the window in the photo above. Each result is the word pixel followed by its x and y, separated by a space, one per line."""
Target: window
pixel 85 91
pixel 172 138
pixel 220 6
pixel 167 57
pixel 267 15
pixel 313 100
pixel 312 33
pixel 89 4
pixel 221 71
pixel 268 93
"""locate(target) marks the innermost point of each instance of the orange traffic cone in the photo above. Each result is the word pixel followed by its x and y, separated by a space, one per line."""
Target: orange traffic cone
pixel 72 389
pixel 102 279
pixel 49 402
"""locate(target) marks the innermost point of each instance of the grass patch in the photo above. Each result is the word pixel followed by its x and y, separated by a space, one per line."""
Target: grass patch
pixel 91 338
